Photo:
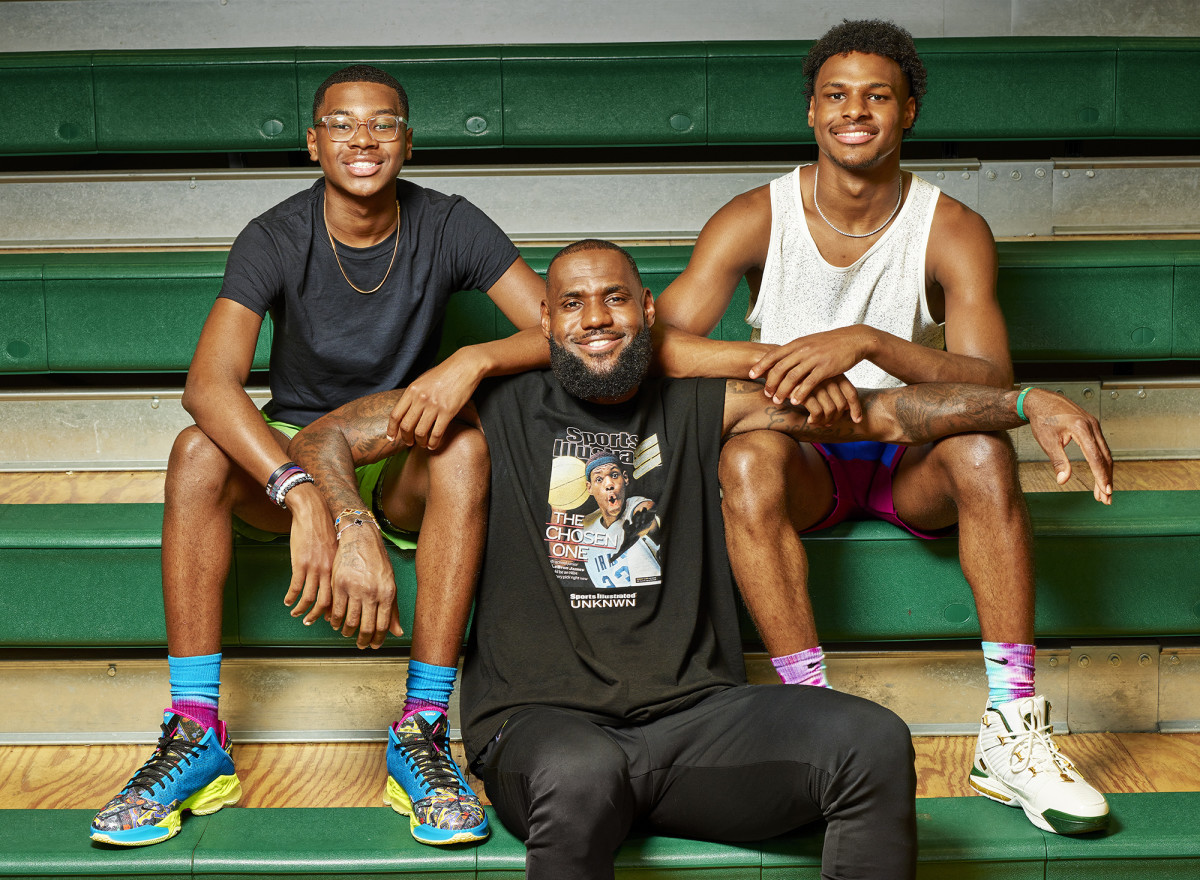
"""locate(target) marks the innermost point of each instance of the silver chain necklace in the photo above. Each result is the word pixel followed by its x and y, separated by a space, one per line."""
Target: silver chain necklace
pixel 899 198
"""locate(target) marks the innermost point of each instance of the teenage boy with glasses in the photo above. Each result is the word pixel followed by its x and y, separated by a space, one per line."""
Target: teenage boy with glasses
pixel 356 273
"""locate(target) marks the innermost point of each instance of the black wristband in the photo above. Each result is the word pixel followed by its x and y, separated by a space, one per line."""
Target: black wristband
pixel 279 472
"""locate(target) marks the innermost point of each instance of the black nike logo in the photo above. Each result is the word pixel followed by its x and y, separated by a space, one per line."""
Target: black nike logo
pixel 1002 662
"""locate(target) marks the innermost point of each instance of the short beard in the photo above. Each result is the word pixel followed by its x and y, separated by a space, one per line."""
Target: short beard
pixel 624 377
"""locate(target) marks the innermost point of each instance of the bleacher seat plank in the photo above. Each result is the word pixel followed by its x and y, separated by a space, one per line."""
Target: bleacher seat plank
pixel 1164 70
pixel 87 574
pixel 1185 317
pixel 455 92
pixel 102 561
pixel 974 837
pixel 1150 836
pixel 58 80
pixel 1077 75
pixel 144 312
pixel 656 94
pixel 1089 301
pixel 23 304
pixel 120 312
pixel 364 842
pixel 653 95
pixel 220 100
pixel 44 844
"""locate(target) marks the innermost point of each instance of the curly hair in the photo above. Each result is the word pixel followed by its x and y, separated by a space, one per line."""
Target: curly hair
pixel 870 37
pixel 360 73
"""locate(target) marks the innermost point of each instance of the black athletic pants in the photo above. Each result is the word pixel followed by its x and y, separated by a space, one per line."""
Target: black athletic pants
pixel 746 764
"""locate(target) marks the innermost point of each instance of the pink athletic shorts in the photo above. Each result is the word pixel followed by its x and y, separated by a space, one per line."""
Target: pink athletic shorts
pixel 862 483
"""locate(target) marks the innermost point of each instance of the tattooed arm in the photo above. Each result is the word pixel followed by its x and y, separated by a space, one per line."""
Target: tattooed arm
pixel 918 414
pixel 363 585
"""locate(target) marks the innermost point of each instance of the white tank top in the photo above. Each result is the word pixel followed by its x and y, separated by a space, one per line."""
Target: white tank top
pixel 885 288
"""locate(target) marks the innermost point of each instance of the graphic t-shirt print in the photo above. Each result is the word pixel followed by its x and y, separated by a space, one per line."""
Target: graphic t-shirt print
pixel 604 526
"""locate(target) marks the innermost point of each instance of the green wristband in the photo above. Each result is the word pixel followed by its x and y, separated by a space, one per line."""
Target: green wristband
pixel 1021 403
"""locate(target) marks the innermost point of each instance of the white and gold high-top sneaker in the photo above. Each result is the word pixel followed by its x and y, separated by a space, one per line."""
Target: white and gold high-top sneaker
pixel 1018 763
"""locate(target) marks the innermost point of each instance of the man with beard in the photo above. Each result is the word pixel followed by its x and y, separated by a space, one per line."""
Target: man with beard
pixel 866 276
pixel 588 712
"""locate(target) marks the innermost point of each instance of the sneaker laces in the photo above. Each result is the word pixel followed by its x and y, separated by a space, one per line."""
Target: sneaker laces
pixel 1033 738
pixel 432 764
pixel 172 748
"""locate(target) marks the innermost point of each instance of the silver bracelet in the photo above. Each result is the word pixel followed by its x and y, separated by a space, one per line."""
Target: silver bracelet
pixel 355 522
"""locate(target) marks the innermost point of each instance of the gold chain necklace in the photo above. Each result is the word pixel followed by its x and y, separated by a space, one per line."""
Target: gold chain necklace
pixel 332 244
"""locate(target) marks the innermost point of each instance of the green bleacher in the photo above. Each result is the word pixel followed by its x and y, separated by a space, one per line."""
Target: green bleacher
pixel 104 313
pixel 1151 836
pixel 103 560
pixel 656 94
pixel 70 573
pixel 142 312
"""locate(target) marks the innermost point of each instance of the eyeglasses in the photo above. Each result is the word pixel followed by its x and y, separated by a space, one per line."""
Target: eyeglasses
pixel 384 129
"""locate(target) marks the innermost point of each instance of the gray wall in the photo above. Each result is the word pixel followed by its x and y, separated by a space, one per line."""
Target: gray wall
pixel 49 25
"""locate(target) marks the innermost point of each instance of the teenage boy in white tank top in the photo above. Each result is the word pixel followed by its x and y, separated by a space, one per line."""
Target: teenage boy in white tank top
pixel 866 276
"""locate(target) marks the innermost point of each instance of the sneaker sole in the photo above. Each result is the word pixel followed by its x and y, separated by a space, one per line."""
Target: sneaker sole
pixel 397 798
pixel 1054 821
pixel 224 791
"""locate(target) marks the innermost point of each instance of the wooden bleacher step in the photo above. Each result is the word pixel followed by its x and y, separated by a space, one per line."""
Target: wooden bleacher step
pixel 1150 836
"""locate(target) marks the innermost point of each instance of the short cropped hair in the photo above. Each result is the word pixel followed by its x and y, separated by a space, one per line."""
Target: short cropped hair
pixel 870 37
pixel 596 244
pixel 360 73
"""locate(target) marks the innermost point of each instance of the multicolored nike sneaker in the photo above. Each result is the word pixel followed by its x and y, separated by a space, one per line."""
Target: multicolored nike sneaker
pixel 1018 763
pixel 190 770
pixel 426 785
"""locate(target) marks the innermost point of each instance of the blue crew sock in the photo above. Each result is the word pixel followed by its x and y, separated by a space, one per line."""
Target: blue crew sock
pixel 196 686
pixel 1009 668
pixel 428 687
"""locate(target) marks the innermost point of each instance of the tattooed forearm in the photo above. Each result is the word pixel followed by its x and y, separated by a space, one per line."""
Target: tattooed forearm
pixel 737 387
pixel 911 415
pixel 924 413
pixel 322 450
pixel 331 447
pixel 748 409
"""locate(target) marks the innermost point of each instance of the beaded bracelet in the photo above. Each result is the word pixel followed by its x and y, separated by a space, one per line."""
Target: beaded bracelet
pixel 291 483
pixel 285 476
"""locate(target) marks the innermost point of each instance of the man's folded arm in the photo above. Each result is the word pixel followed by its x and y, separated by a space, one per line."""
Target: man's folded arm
pixel 352 435
pixel 678 353
pixel 914 415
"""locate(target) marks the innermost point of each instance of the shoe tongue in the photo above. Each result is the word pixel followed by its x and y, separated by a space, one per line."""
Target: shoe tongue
pixel 181 727
pixel 1034 711
pixel 1024 711
pixel 431 722
pixel 187 728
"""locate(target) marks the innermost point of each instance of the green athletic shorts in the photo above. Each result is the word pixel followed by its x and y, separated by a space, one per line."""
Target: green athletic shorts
pixel 368 477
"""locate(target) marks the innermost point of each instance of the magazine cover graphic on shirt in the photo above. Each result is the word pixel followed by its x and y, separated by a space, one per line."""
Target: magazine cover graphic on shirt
pixel 604 530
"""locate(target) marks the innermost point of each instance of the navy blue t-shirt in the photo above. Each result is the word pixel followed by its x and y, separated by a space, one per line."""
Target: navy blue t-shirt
pixel 332 344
